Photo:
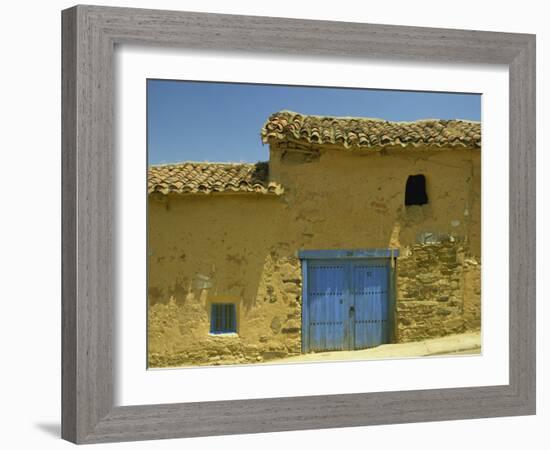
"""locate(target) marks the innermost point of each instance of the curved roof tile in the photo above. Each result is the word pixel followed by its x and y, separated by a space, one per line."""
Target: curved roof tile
pixel 365 132
pixel 201 177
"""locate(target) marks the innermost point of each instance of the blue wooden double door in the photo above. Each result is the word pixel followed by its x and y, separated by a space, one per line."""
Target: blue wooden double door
pixel 348 304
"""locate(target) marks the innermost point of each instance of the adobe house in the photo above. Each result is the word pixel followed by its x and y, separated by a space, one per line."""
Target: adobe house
pixel 355 233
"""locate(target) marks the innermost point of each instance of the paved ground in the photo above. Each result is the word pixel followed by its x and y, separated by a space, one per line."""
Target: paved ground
pixel 459 344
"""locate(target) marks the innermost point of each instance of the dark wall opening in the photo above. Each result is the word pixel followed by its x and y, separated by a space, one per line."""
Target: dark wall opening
pixel 415 191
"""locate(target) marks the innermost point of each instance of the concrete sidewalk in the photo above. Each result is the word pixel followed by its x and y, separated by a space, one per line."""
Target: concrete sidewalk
pixel 466 343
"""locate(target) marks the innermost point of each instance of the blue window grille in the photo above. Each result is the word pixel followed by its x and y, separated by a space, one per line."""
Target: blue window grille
pixel 223 318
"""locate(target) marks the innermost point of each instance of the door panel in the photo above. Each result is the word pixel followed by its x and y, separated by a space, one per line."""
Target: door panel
pixel 347 304
pixel 328 305
pixel 370 294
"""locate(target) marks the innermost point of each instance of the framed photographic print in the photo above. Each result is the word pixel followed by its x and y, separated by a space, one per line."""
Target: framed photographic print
pixel 265 228
pixel 340 234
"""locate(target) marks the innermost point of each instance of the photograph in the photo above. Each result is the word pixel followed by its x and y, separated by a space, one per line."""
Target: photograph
pixel 291 224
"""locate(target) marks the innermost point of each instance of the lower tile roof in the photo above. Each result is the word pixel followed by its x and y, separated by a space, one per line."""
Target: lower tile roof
pixel 203 177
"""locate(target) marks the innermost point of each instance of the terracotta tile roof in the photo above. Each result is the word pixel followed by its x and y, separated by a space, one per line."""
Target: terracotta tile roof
pixel 364 132
pixel 200 177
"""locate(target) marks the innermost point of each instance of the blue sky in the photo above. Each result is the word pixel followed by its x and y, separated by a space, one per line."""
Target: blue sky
pixel 206 121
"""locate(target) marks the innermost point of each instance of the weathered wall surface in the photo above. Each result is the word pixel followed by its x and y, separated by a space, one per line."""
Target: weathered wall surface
pixel 237 243
pixel 268 328
pixel 355 198
pixel 435 291
pixel 472 293
pixel 245 245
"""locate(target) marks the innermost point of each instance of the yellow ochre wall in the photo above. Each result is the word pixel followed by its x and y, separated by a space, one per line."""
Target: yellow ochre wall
pixel 245 245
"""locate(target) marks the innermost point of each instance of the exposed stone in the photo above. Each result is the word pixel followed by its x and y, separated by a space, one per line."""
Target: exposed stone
pixel 427 278
pixel 291 329
pixel 275 325
pixel 273 355
pixel 292 288
pixel 435 278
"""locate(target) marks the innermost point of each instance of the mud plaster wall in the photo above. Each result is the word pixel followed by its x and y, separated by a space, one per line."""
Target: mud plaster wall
pixel 245 245
pixel 237 243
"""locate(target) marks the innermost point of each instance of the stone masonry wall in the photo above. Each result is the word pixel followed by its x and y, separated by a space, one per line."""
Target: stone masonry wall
pixel 472 294
pixel 432 297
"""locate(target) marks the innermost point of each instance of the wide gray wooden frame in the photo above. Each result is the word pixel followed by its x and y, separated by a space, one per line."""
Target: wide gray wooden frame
pixel 89 37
